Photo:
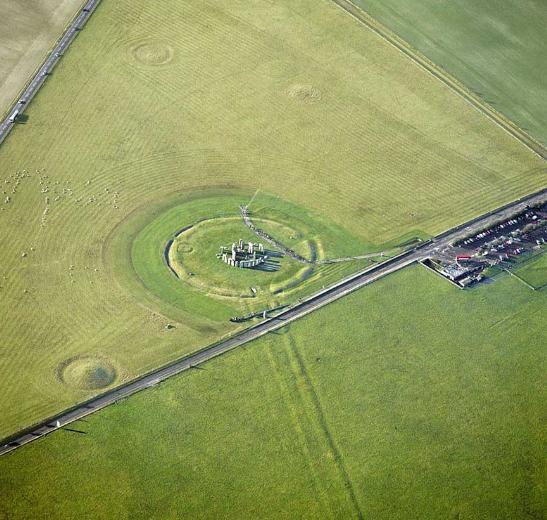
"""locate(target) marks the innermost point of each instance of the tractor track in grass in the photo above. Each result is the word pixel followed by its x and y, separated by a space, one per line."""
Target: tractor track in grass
pixel 300 309
pixel 451 82
pixel 324 427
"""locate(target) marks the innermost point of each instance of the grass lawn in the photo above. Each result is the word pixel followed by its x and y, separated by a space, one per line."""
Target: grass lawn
pixel 409 399
pixel 497 48
pixel 28 30
pixel 215 291
pixel 535 271
pixel 197 250
pixel 160 100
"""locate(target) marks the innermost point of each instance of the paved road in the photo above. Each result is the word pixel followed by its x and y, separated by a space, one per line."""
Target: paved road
pixel 41 75
pixel 314 302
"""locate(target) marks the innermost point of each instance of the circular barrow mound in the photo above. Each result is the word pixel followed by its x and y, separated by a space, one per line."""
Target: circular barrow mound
pixel 152 52
pixel 87 372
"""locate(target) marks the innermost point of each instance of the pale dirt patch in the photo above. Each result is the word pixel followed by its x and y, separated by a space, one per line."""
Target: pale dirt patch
pixel 28 30
pixel 304 93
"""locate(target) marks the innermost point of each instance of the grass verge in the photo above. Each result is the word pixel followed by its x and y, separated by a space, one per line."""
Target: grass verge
pixel 407 399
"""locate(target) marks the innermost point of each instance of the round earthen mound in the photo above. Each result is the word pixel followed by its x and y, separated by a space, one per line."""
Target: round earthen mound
pixel 184 248
pixel 86 372
pixel 153 52
pixel 304 93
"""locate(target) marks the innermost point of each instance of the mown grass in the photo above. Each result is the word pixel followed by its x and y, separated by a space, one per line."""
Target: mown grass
pixel 211 291
pixel 161 98
pixel 205 240
pixel 409 399
pixel 496 48
pixel 534 271
pixel 330 239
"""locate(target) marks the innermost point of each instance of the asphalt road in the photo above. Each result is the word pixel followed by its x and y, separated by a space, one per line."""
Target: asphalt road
pixel 302 308
pixel 47 67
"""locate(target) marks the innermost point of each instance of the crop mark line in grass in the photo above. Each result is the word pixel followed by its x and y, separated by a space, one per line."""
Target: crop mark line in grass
pixel 448 80
pixel 522 280
pixel 293 349
pixel 320 491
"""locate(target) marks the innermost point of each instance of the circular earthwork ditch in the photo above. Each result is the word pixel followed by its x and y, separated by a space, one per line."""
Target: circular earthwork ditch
pixel 86 372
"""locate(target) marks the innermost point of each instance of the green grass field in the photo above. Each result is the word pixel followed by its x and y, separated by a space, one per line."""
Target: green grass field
pixel 534 271
pixel 215 291
pixel 496 48
pixel 163 100
pixel 208 272
pixel 409 399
